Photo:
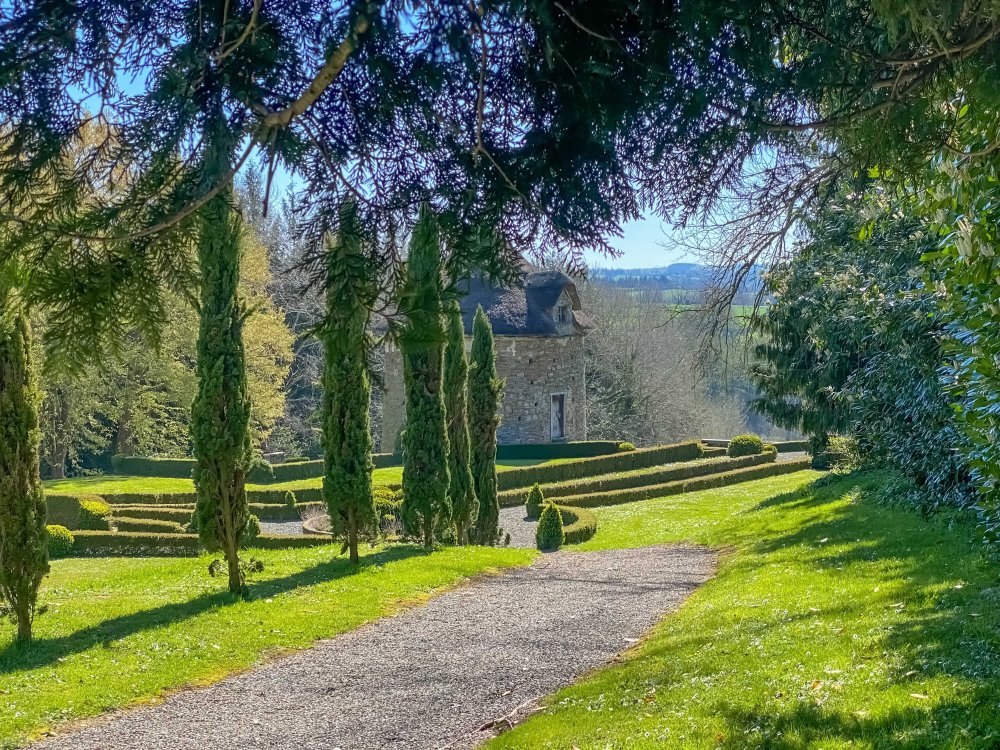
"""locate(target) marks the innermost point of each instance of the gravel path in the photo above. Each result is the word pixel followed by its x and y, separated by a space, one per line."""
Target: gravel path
pixel 292 528
pixel 430 677
pixel 521 530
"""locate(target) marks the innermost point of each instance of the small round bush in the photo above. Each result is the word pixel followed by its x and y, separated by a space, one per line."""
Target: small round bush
pixel 60 541
pixel 533 506
pixel 625 446
pixel 745 445
pixel 549 535
pixel 95 514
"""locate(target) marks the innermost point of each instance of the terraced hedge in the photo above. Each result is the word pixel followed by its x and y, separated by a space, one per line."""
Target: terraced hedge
pixel 642 478
pixel 579 524
pixel 144 544
pixel 643 458
pixel 721 479
pixel 549 451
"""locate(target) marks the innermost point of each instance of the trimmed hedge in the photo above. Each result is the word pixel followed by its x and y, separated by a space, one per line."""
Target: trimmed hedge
pixel 579 524
pixel 721 479
pixel 549 451
pixel 744 445
pixel 151 525
pixel 60 540
pixel 549 534
pixel 793 446
pixel 653 476
pixel 643 458
pixel 132 544
pixel 177 514
pixel 143 466
pixel 87 512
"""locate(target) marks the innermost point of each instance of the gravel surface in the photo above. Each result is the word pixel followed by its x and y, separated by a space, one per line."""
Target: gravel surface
pixel 436 676
pixel 293 528
pixel 521 530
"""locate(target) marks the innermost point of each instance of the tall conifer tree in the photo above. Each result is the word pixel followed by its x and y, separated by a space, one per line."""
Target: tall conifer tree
pixel 464 507
pixel 220 416
pixel 23 543
pixel 350 285
pixel 422 340
pixel 485 392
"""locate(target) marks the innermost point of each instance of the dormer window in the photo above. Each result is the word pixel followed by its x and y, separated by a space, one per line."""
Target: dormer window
pixel 562 314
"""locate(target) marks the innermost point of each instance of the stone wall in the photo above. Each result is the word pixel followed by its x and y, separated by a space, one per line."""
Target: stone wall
pixel 534 368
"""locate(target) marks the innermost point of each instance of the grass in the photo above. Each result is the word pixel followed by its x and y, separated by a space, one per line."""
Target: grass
pixel 111 484
pixel 832 623
pixel 120 631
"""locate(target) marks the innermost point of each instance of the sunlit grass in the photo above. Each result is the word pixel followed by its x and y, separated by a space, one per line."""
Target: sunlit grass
pixel 832 623
pixel 121 630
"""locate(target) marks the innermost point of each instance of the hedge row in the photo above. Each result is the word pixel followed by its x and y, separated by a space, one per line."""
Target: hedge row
pixel 89 512
pixel 151 525
pixel 643 458
pixel 783 446
pixel 131 544
pixel 143 466
pixel 177 514
pixel 579 524
pixel 644 478
pixel 722 479
pixel 548 451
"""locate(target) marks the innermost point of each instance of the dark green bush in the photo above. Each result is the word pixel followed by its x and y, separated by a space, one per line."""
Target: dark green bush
pixel 550 535
pixel 533 505
pixel 626 447
pixel 60 540
pixel 143 466
pixel 95 514
pixel 548 451
pixel 840 453
pixel 290 498
pixel 252 531
pixel 745 445
pixel 642 478
pixel 720 479
pixel 579 524
pixel 175 513
pixel 792 446
pixel 150 525
pixel 642 458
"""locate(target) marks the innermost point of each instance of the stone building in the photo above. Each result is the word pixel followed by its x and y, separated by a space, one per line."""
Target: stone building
pixel 538 329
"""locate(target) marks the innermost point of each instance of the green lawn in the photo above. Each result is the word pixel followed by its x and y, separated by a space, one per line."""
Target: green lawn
pixel 832 623
pixel 122 630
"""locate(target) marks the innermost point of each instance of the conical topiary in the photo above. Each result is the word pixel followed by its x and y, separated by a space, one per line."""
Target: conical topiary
pixel 536 499
pixel 549 535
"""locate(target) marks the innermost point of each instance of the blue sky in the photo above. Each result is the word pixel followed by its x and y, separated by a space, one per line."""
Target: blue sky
pixel 644 244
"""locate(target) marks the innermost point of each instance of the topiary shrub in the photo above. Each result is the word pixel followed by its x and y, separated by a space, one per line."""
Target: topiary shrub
pixel 745 445
pixel 95 514
pixel 549 535
pixel 626 447
pixel 536 500
pixel 60 540
pixel 290 498
pixel 387 505
pixel 253 529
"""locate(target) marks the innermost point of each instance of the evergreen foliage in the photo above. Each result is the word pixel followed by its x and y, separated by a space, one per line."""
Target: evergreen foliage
pixel 535 501
pixel 350 286
pixel 59 540
pixel 23 544
pixel 550 535
pixel 220 416
pixel 464 506
pixel 745 445
pixel 422 341
pixel 485 392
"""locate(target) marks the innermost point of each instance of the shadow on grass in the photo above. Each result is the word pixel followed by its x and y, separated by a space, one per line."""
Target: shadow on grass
pixel 45 651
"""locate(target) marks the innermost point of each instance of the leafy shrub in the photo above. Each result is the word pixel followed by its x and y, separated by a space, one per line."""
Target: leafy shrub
pixel 550 535
pixel 95 514
pixel 533 506
pixel 745 445
pixel 840 453
pixel 290 498
pixel 60 541
pixel 253 529
pixel 642 458
pixel 388 503
pixel 626 447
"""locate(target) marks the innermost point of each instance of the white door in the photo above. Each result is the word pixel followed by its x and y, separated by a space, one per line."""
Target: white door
pixel 558 415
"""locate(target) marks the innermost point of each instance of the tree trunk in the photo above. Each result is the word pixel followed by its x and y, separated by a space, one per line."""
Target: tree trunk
pixel 58 464
pixel 429 531
pixel 352 535
pixel 460 534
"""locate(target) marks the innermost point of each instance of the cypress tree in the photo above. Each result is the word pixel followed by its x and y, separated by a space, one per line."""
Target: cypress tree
pixel 464 507
pixel 220 416
pixel 485 392
pixel 425 443
pixel 347 442
pixel 23 543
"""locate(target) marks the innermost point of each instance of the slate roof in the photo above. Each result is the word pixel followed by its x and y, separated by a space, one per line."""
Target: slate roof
pixel 526 310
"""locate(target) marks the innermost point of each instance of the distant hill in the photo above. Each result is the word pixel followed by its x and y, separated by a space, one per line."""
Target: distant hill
pixel 674 276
